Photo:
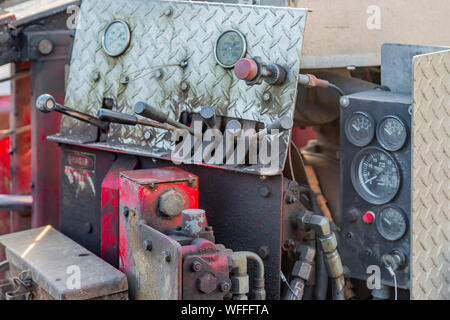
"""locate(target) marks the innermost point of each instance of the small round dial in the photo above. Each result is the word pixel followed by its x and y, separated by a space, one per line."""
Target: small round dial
pixel 391 223
pixel 230 47
pixel 116 38
pixel 360 129
pixel 391 133
pixel 375 175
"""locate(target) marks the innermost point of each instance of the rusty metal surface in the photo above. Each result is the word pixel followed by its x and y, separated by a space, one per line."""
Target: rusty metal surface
pixel 431 178
pixel 50 257
pixel 189 33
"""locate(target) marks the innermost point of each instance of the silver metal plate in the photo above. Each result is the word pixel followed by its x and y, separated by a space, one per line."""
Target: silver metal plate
pixel 160 42
pixel 430 274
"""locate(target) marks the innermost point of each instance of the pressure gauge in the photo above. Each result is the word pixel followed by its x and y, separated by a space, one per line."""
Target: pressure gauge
pixel 360 129
pixel 375 175
pixel 230 47
pixel 116 38
pixel 391 133
pixel 391 223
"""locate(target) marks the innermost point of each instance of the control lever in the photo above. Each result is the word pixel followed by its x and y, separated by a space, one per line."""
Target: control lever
pixel 208 115
pixel 254 71
pixel 147 111
pixel 46 103
pixel 127 119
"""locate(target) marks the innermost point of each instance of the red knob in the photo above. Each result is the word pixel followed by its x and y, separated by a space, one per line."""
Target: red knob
pixel 245 69
pixel 368 217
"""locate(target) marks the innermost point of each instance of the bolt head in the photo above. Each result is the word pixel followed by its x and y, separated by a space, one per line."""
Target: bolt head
pixel 96 76
pixel 344 101
pixel 158 74
pixel 224 286
pixel 147 135
pixel 264 191
pixel 171 203
pixel 197 266
pixel 267 96
pixel 148 245
pixel 184 86
pixel 126 211
pixel 125 80
pixel 45 47
pixel 168 11
pixel 207 283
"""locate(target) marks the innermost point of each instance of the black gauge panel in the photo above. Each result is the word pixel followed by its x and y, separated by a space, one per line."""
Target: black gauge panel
pixel 391 133
pixel 230 47
pixel 391 223
pixel 375 175
pixel 360 129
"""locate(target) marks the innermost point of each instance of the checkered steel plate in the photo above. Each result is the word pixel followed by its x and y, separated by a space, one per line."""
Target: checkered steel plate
pixel 431 177
pixel 161 41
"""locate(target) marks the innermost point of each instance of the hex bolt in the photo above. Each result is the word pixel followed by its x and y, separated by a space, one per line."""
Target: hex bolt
pixel 125 80
pixel 158 74
pixel 264 191
pixel 45 47
pixel 224 286
pixel 267 96
pixel 147 135
pixel 344 102
pixel 263 252
pixel 96 76
pixel 197 266
pixel 349 235
pixel 148 245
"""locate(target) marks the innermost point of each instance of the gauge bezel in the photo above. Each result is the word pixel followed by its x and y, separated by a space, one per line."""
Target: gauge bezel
pixel 349 136
pixel 379 134
pixel 378 222
pixel 109 53
pixel 243 53
pixel 360 190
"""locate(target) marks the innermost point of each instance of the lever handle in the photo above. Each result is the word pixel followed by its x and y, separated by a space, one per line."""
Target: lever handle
pixel 147 111
pixel 117 117
pixel 208 115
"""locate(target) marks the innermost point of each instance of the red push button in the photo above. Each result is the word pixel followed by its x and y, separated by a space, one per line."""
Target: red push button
pixel 245 69
pixel 368 217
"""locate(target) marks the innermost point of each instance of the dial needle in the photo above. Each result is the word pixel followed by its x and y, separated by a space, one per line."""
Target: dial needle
pixel 374 177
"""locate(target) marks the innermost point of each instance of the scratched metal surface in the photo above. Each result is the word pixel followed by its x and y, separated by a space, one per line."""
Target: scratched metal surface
pixel 190 33
pixel 430 272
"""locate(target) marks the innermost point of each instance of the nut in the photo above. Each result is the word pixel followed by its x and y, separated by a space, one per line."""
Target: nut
pixel 240 284
pixel 301 270
pixel 171 203
pixel 224 286
pixel 207 283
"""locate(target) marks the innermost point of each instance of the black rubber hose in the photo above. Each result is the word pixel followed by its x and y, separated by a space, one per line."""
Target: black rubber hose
pixel 321 288
pixel 338 288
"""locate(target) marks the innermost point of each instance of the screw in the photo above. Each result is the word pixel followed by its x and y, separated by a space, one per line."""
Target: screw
pixel 197 266
pixel 126 212
pixel 168 11
pixel 96 76
pixel 349 235
pixel 184 86
pixel 45 47
pixel 147 135
pixel 125 80
pixel 148 245
pixel 264 191
pixel 158 74
pixel 267 96
pixel 224 286
pixel 167 256
pixel 345 102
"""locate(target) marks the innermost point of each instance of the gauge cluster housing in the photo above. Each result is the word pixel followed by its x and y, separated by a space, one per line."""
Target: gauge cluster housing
pixel 363 243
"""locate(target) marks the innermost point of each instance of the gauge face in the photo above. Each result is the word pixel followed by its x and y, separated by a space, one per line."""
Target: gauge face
pixel 230 47
pixel 391 133
pixel 375 175
pixel 360 129
pixel 116 38
pixel 391 223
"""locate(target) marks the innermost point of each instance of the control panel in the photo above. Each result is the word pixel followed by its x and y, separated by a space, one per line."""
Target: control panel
pixel 376 184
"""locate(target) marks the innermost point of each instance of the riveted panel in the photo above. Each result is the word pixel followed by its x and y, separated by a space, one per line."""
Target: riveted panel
pixel 431 177
pixel 163 36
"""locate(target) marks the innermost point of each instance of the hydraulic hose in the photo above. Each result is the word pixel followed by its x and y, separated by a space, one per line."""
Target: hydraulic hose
pixel 240 258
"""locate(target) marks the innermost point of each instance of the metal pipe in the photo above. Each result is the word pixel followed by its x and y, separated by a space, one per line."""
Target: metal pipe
pixel 259 292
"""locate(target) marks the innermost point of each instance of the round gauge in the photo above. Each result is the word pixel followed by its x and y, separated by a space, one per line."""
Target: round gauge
pixel 116 38
pixel 360 129
pixel 391 133
pixel 230 47
pixel 375 175
pixel 391 223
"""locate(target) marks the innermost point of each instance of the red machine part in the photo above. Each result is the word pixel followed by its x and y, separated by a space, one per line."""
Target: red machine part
pixel 110 210
pixel 246 69
pixel 141 191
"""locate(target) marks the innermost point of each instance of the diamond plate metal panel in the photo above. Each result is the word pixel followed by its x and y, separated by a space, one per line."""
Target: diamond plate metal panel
pixel 431 177
pixel 162 42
